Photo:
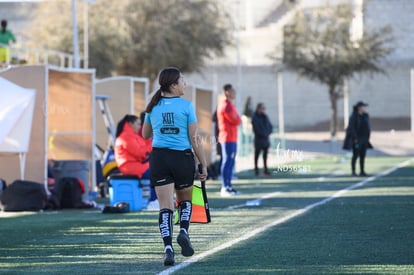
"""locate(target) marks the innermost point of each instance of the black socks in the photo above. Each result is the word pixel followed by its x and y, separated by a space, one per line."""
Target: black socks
pixel 185 211
pixel 165 223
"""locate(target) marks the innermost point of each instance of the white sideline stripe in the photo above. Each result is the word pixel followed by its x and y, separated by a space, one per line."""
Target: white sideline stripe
pixel 256 231
pixel 253 202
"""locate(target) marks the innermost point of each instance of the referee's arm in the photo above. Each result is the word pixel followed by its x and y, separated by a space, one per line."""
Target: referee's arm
pixel 196 143
pixel 146 130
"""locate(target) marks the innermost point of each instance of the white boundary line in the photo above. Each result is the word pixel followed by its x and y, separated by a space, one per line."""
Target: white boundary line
pixel 299 212
pixel 254 202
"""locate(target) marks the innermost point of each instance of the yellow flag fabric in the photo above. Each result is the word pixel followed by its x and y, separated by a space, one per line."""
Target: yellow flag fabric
pixel 201 212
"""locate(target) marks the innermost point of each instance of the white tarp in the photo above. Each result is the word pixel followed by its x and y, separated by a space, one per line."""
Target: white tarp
pixel 16 116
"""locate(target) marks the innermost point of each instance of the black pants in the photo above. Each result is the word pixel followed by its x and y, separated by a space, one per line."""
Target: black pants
pixel 257 151
pixel 359 151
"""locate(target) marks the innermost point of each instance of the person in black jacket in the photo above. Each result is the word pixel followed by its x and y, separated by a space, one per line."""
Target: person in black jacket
pixel 262 128
pixel 357 137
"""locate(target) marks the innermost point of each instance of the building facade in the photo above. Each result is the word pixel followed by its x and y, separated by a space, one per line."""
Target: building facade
pixel 306 104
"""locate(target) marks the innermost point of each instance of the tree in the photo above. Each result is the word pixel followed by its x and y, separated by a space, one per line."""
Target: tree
pixel 181 33
pixel 318 46
pixel 137 37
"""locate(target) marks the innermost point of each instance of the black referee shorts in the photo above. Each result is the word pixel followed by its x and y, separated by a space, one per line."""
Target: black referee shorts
pixel 172 166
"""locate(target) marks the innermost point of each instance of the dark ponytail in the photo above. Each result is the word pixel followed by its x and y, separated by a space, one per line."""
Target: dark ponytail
pixel 154 101
pixel 167 77
pixel 121 123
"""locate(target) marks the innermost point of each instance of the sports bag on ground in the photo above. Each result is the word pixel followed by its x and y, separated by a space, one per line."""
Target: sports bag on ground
pixel 22 195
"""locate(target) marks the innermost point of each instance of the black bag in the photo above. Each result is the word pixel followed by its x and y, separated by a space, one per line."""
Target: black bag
pixel 23 195
pixel 68 193
pixel 120 207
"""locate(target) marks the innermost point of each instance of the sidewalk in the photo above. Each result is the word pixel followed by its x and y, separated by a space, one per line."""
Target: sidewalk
pixel 306 145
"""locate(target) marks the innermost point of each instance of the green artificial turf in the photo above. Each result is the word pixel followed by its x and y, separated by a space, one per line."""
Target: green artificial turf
pixel 368 230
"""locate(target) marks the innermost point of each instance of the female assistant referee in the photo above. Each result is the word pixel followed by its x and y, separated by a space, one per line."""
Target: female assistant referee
pixel 172 123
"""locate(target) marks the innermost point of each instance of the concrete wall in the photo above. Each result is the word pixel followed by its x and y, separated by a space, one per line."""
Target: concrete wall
pixel 306 103
pixel 398 15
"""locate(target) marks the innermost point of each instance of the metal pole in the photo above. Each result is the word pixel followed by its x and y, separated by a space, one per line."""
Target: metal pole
pixel 280 108
pixel 86 35
pixel 239 69
pixel 412 98
pixel 239 81
pixel 346 103
pixel 75 40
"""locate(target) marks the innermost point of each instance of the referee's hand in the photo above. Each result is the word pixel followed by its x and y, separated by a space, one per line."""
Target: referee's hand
pixel 202 172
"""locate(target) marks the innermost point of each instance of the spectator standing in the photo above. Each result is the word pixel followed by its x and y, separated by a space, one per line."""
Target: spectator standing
pixel 228 121
pixel 172 123
pixel 6 36
pixel 357 136
pixel 262 128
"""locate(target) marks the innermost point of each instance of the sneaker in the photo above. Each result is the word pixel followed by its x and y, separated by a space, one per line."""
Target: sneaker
pixel 184 241
pixel 233 191
pixel 224 192
pixel 169 256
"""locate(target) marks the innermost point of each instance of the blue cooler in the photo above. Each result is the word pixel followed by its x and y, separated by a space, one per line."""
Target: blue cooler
pixel 129 189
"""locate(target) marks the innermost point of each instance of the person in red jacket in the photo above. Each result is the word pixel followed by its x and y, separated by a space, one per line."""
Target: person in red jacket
pixel 228 122
pixel 131 150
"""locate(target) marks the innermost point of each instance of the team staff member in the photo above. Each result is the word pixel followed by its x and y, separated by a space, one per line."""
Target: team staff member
pixel 172 123
pixel 228 121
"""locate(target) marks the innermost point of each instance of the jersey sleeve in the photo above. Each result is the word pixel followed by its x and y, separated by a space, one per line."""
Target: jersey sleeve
pixel 147 118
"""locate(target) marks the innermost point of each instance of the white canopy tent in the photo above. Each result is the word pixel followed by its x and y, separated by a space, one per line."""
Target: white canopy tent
pixel 63 122
pixel 16 116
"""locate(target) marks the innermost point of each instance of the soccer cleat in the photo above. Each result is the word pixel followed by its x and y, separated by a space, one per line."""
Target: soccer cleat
pixel 184 241
pixel 169 256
